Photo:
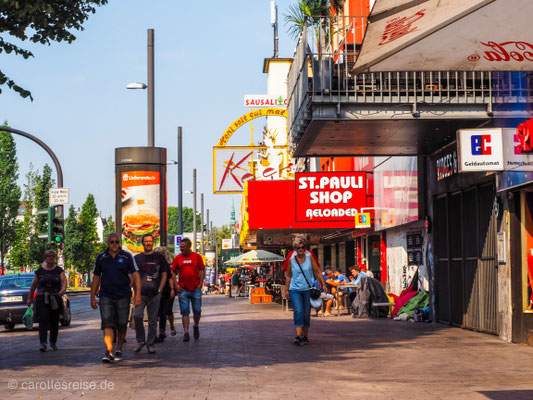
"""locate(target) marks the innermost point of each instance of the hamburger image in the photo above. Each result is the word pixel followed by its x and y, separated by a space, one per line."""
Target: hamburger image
pixel 138 222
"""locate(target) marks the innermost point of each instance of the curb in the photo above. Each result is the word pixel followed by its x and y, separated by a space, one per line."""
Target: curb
pixel 76 293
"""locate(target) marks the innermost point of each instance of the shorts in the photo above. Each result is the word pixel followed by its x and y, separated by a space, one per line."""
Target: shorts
pixel 114 313
pixel 190 296
pixel 326 296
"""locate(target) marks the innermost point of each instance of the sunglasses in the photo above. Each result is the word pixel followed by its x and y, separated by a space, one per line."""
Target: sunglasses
pixel 113 242
pixel 299 248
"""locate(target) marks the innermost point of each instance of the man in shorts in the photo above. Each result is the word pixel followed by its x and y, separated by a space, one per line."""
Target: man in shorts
pixel 190 270
pixel 112 271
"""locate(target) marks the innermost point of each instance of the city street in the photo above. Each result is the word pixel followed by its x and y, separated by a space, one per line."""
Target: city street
pixel 245 352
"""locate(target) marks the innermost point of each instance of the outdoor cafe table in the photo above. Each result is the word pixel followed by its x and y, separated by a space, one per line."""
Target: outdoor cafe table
pixel 343 286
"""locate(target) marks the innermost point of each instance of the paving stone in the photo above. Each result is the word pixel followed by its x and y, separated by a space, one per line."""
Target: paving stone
pixel 245 352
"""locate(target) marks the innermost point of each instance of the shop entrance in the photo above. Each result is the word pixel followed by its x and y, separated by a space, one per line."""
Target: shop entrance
pixel 466 262
pixel 374 255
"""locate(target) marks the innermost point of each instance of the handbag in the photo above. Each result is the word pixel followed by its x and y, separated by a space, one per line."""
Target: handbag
pixel 313 292
pixel 27 319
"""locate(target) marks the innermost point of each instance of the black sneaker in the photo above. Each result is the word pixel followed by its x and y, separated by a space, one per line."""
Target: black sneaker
pixel 186 337
pixel 43 347
pixel 118 355
pixel 108 358
pixel 53 346
pixel 305 340
pixel 151 349
pixel 298 341
pixel 196 334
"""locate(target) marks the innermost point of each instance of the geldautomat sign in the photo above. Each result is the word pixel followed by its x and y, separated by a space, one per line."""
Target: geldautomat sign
pixel 330 196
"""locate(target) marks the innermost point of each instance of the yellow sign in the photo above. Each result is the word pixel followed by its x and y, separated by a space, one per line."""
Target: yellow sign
pixel 387 219
pixel 362 220
pixel 261 112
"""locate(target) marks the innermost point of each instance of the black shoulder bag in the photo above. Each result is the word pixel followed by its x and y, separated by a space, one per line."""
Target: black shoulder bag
pixel 314 293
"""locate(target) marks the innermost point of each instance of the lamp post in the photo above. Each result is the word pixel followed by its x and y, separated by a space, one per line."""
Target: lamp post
pixel 202 223
pixel 150 87
pixel 207 228
pixel 180 185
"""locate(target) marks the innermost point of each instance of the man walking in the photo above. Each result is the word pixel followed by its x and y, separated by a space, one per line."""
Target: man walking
pixel 153 270
pixel 112 271
pixel 190 269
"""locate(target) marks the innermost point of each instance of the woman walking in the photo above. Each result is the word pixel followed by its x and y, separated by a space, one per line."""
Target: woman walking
pixel 51 283
pixel 301 271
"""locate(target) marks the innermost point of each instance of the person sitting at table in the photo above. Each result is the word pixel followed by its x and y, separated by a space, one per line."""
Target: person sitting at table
pixel 358 275
pixel 327 299
pixel 268 287
pixel 340 277
pixel 331 284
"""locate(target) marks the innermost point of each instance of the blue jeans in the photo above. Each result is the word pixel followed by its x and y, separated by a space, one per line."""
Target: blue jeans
pixel 190 296
pixel 301 305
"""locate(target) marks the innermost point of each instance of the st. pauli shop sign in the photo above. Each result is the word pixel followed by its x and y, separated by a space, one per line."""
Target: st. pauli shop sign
pixel 329 196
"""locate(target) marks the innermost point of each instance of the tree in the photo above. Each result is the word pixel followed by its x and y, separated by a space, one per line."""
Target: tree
pixel 23 254
pixel 44 22
pixel 9 193
pixel 172 214
pixel 74 246
pixel 109 227
pixel 88 235
pixel 315 12
pixel 43 183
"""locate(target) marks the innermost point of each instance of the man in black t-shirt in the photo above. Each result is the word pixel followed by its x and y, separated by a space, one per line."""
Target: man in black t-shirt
pixel 113 270
pixel 154 271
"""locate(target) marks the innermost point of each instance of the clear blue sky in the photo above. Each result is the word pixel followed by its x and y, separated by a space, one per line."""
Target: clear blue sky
pixel 207 56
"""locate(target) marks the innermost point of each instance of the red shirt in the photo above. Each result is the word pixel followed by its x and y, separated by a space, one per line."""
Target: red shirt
pixel 188 270
pixel 287 259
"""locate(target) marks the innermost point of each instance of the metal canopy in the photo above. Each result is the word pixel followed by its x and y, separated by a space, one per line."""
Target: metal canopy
pixel 380 137
pixel 448 35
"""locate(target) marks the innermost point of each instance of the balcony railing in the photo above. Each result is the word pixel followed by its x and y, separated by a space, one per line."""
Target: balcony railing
pixel 326 53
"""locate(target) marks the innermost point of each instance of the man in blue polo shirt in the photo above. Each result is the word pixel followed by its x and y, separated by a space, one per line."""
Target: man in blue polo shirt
pixel 112 271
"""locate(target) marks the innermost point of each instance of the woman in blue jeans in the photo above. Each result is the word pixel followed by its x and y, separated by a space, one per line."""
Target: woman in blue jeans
pixel 300 275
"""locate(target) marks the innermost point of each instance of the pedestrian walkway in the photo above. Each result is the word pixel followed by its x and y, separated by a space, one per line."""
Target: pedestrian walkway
pixel 245 352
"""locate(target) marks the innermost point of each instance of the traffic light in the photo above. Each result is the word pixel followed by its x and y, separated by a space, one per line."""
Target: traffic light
pixel 57 230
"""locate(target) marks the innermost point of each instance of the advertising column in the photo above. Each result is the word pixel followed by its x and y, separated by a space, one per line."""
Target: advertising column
pixel 141 201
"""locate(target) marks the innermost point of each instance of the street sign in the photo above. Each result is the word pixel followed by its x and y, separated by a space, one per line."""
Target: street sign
pixel 58 196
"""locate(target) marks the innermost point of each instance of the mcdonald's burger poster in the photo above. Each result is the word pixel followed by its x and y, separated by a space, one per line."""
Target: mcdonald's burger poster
pixel 140 208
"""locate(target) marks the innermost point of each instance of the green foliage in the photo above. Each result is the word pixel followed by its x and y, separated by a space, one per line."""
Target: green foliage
pixel 172 214
pixel 9 193
pixel 24 253
pixel 44 22
pixel 73 246
pixel 314 11
pixel 88 235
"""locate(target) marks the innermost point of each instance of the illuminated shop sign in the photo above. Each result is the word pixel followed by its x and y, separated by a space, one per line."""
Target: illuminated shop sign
pixel 446 162
pixel 517 147
pixel 329 196
pixel 480 150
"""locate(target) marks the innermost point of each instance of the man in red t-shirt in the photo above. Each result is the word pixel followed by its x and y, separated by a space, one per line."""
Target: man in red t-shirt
pixel 190 269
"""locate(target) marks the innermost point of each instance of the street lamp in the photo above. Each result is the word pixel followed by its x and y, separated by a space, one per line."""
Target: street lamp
pixel 193 192
pixel 150 87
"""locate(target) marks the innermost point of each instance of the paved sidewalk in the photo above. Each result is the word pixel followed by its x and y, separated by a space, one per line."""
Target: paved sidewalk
pixel 245 352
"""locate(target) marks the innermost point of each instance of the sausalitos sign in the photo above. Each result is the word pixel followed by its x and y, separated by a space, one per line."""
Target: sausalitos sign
pixel 264 100
pixel 329 196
